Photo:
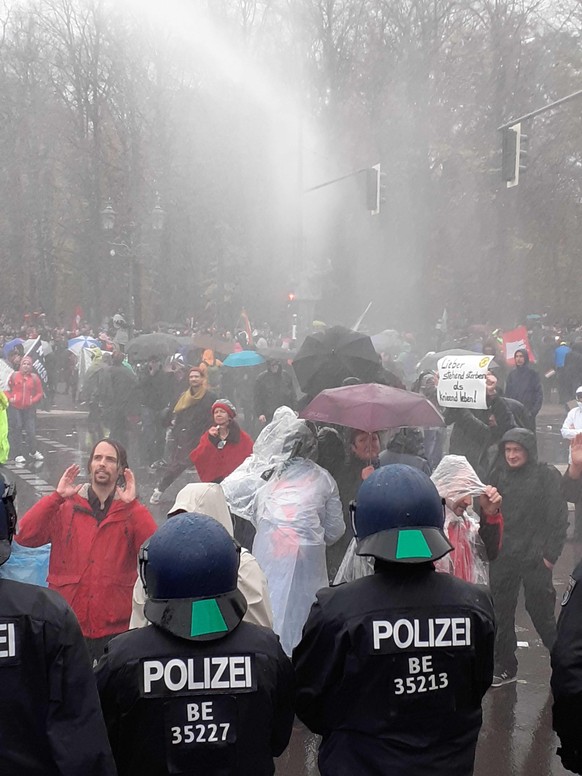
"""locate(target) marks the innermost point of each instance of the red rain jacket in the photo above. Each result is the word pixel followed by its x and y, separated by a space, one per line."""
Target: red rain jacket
pixel 92 565
pixel 214 464
pixel 24 391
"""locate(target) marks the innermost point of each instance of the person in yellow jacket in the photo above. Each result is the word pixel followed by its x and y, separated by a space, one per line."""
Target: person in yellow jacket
pixel 4 443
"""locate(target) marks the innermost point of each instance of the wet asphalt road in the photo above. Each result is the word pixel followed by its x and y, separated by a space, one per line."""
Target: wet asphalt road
pixel 516 738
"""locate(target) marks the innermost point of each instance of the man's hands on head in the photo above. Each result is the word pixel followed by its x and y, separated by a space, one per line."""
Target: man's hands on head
pixel 490 500
pixel 66 487
pixel 127 494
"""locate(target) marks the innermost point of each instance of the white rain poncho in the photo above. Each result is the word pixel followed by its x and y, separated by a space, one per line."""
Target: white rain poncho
pixel 240 488
pixel 455 478
pixel 297 513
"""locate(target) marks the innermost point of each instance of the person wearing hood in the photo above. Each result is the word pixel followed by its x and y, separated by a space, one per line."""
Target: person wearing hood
pixel 572 427
pixel 200 691
pixel 273 388
pixel 224 446
pixel 297 514
pixel 476 540
pixel 94 395
pixel 535 516
pixel 476 433
pixel 207 498
pixel 524 384
pixel 212 366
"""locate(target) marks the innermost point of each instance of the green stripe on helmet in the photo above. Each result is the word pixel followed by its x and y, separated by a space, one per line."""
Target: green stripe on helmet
pixel 412 544
pixel 207 618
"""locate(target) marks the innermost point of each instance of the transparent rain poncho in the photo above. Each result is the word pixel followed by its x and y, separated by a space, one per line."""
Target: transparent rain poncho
pixel 241 487
pixel 295 506
pixel 297 513
pixel 455 478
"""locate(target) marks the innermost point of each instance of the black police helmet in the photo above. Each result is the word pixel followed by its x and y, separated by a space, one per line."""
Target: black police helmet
pixel 8 518
pixel 189 568
pixel 399 517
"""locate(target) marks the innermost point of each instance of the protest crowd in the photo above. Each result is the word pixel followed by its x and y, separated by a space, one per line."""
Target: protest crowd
pixel 356 519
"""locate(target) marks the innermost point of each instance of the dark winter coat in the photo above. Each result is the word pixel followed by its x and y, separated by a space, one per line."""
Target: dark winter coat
pixel 361 690
pixel 191 423
pixel 50 718
pixel 159 732
pixel 524 385
pixel 273 390
pixel 473 437
pixel 566 679
pixel 535 513
pixel 156 391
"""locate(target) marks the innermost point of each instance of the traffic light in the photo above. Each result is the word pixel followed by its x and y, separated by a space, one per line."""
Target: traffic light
pixel 513 154
pixel 374 187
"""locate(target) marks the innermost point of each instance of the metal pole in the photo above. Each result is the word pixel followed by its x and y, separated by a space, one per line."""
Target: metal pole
pixel 131 311
pixel 533 113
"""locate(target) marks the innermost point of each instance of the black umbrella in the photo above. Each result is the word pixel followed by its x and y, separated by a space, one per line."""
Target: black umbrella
pixel 146 345
pixel 327 358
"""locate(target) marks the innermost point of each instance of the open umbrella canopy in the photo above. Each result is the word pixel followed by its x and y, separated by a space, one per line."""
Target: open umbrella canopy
pixel 372 407
pixel 12 344
pixel 147 345
pixel 76 344
pixel 243 358
pixel 327 358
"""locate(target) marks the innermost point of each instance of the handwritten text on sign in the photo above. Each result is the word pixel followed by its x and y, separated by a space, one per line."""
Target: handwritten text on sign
pixel 462 381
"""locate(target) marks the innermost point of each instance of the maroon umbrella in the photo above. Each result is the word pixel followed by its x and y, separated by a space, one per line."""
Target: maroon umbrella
pixel 372 407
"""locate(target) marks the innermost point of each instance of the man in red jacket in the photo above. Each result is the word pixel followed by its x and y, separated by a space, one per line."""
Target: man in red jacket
pixel 24 394
pixel 96 531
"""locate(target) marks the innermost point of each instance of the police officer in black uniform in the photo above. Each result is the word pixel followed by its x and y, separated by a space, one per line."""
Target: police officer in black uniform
pixel 50 718
pixel 200 691
pixel 392 668
pixel 567 675
pixel 567 651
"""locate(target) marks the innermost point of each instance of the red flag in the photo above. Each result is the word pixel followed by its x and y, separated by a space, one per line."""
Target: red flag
pixel 77 318
pixel 514 340
pixel 246 325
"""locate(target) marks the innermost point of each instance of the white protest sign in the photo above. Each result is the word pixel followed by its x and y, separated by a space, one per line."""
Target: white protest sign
pixel 462 381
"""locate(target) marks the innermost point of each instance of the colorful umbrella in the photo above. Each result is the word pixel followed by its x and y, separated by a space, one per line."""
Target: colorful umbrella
pixel 243 358
pixel 372 407
pixel 76 344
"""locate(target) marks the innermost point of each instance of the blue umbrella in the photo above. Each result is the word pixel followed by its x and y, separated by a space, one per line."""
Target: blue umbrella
pixel 12 344
pixel 244 358
pixel 78 343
